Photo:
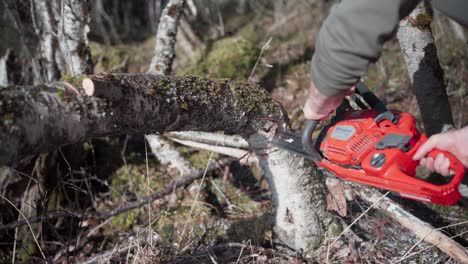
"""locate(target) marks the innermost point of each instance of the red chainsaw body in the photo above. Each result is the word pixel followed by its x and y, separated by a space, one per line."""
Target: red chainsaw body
pixel 379 154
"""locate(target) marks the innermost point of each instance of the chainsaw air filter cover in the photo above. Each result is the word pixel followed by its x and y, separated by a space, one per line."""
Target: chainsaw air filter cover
pixel 349 141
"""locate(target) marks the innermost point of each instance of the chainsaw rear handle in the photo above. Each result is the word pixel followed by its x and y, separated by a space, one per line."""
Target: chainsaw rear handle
pixel 446 194
pixel 307 140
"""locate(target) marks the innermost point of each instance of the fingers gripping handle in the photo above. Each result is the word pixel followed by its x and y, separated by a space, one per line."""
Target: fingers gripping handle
pixel 455 164
pixel 447 194
pixel 307 140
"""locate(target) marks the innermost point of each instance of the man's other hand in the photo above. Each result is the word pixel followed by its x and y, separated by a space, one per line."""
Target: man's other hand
pixel 455 142
pixel 318 106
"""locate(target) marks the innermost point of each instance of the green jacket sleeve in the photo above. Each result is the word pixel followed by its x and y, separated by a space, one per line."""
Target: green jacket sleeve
pixel 351 38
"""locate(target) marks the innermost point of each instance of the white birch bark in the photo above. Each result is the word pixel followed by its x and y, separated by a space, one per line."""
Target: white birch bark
pixel 301 219
pixel 4 70
pixel 73 36
pixel 45 26
pixel 165 38
pixel 420 54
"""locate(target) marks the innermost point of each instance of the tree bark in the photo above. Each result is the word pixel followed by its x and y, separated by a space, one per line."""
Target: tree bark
pixel 73 36
pixel 44 117
pixel 426 75
pixel 165 38
pixel 45 26
pixel 4 70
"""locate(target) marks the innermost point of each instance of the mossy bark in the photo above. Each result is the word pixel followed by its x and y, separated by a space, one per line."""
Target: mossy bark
pixel 41 118
pixel 44 117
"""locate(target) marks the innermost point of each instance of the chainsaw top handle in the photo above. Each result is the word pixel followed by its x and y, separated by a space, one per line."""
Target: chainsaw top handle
pixel 308 142
pixel 373 101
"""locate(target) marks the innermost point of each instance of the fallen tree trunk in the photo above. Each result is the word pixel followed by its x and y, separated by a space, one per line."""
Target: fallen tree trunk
pixel 41 118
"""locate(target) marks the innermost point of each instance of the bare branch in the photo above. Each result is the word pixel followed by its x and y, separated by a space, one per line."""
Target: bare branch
pixel 420 228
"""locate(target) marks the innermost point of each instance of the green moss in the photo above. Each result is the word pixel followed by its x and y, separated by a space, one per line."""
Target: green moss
pixel 256 229
pixel 124 221
pixel 197 158
pixel 171 223
pixel 335 228
pixel 8 116
pixel 253 97
pixel 232 57
pixel 132 179
pixel 109 56
pixel 423 21
pixel 76 81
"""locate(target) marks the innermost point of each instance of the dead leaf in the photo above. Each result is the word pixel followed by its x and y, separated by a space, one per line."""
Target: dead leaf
pixel 336 199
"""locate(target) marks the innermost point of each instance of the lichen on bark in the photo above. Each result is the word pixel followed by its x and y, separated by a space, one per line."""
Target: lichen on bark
pixel 43 117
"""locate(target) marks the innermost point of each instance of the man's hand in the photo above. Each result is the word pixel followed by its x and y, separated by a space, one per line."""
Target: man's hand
pixel 318 106
pixel 455 142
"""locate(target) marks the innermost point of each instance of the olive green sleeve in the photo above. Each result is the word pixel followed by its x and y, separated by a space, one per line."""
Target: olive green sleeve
pixel 351 38
pixel 456 9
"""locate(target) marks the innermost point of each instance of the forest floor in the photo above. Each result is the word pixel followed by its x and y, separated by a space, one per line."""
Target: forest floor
pixel 224 217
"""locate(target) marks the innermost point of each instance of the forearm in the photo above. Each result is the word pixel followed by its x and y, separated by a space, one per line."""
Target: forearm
pixel 351 38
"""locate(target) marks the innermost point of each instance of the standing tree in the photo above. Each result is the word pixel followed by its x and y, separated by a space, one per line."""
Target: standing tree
pixel 426 75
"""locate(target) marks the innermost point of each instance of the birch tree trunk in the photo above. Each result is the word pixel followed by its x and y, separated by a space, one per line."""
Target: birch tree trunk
pixel 47 116
pixel 45 26
pixel 427 77
pixel 4 70
pixel 164 53
pixel 73 36
pixel 165 38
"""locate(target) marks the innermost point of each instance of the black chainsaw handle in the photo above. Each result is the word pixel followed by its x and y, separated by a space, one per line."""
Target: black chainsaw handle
pixel 307 140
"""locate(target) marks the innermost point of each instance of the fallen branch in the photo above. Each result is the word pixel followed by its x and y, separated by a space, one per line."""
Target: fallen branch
pixel 217 139
pixel 420 228
pixel 250 158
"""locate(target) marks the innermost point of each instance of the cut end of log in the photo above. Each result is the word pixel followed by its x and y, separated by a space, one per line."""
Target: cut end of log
pixel 88 86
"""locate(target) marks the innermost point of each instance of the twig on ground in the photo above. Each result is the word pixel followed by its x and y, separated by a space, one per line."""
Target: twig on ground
pixel 424 237
pixel 196 197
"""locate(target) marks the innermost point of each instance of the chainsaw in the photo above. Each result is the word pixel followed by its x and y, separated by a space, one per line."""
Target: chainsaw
pixel 369 144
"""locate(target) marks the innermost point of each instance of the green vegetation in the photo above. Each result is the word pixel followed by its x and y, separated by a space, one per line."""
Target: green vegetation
pixel 231 57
